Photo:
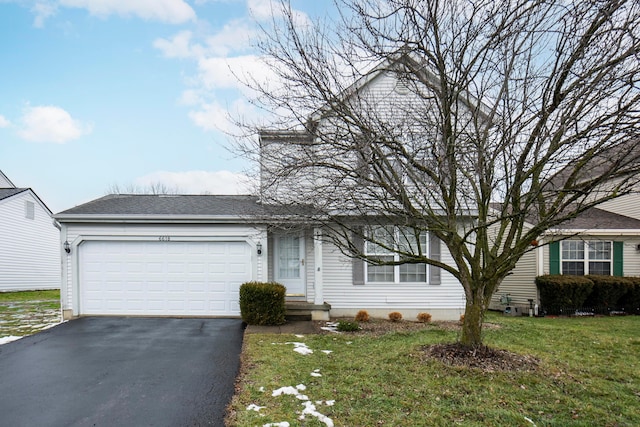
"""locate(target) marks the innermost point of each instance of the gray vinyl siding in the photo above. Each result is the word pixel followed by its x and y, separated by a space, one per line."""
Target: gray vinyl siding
pixel 341 293
pixel 29 248
pixel 628 205
pixel 520 285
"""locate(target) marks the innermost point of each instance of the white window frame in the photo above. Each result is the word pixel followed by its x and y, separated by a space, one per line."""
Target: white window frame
pixel 372 249
pixel 586 259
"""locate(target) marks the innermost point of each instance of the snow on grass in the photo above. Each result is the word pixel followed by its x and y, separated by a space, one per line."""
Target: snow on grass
pixel 330 327
pixel 300 347
pixel 256 408
pixel 316 373
pixel 282 424
pixel 4 340
pixel 310 409
pixel 289 390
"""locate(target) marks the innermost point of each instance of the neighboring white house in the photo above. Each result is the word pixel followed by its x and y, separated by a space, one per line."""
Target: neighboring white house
pixel 29 241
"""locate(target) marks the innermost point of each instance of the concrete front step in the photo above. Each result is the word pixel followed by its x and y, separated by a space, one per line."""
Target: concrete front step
pixel 299 310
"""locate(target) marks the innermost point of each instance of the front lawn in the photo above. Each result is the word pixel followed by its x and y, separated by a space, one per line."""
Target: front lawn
pixel 25 313
pixel 588 374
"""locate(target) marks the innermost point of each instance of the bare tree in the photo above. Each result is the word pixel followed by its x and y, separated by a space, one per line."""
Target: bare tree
pixel 154 188
pixel 505 119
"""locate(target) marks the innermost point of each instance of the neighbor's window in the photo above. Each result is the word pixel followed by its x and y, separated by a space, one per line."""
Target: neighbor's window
pixel 388 241
pixel 29 210
pixel 582 257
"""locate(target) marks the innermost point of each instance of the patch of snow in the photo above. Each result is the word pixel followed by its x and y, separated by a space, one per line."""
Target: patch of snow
pixel 285 390
pixel 261 389
pixel 310 409
pixel 530 420
pixel 316 373
pixel 327 351
pixel 282 424
pixel 256 408
pixel 330 402
pixel 10 338
pixel 300 347
pixel 302 397
pixel 299 336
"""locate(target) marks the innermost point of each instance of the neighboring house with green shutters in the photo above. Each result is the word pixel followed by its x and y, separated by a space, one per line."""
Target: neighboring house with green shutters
pixel 600 241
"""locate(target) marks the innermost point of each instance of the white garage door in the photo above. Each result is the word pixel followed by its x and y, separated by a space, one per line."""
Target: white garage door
pixel 162 278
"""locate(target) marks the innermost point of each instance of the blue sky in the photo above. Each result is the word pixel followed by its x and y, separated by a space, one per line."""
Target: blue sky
pixel 97 93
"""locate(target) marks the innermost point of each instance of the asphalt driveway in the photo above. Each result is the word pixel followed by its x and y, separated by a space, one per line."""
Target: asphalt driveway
pixel 103 371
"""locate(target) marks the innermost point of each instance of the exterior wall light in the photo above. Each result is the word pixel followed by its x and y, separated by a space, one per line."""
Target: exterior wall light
pixel 67 247
pixel 259 248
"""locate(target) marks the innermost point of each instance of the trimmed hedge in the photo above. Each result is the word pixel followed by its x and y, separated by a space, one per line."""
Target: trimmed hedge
pixel 607 291
pixel 630 302
pixel 560 294
pixel 563 292
pixel 262 303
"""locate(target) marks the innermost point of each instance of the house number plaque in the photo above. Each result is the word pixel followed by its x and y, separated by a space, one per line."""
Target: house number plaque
pixel 164 238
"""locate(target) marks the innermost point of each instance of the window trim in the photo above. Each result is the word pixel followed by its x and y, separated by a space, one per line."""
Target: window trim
pixel 396 257
pixel 586 259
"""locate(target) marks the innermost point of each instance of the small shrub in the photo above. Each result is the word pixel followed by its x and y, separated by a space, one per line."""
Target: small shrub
pixel 362 316
pixel 262 303
pixel 424 317
pixel 347 326
pixel 395 316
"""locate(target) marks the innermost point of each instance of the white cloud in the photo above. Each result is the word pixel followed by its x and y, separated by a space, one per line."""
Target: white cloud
pixel 50 124
pixel 265 10
pixel 171 11
pixel 4 122
pixel 43 10
pixel 179 46
pixel 227 73
pixel 235 36
pixel 199 182
pixel 215 117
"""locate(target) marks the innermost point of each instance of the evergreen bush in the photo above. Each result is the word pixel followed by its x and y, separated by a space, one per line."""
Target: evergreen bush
pixel 262 303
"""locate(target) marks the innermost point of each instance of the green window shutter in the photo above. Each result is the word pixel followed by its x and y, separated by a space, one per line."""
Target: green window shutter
pixel 554 258
pixel 618 261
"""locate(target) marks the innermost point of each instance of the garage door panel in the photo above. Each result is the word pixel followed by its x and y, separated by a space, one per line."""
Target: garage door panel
pixel 162 278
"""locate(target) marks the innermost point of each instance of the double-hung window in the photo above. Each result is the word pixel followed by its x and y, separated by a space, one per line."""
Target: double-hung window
pixel 388 244
pixel 586 257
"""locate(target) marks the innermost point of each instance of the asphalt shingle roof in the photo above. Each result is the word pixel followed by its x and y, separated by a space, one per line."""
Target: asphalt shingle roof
pixel 599 219
pixel 169 205
pixel 8 192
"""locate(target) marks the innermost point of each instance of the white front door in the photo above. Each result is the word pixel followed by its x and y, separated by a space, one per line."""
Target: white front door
pixel 289 264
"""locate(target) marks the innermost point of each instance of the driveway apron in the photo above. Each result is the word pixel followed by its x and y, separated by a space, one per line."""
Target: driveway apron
pixel 108 371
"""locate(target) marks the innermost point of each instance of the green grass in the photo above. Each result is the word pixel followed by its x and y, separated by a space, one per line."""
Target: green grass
pixel 30 296
pixel 25 313
pixel 589 375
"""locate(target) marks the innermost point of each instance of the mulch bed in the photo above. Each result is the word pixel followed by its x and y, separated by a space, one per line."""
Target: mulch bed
pixel 484 358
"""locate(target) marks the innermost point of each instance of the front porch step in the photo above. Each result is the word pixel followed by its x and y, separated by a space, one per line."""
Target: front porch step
pixel 299 310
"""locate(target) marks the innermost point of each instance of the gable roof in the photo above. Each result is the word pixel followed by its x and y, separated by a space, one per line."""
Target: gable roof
pixel 401 62
pixel 136 206
pixel 8 192
pixel 4 178
pixel 599 219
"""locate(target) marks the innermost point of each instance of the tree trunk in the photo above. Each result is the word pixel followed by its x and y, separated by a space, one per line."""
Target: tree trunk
pixel 473 319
